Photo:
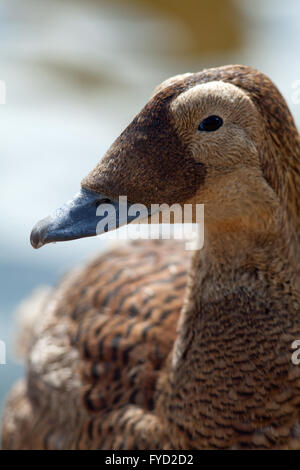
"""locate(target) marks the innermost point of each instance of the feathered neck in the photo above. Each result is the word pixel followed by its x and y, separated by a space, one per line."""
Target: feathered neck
pixel 232 358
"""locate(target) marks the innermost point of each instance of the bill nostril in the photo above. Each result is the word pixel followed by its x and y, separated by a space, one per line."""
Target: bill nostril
pixel 102 201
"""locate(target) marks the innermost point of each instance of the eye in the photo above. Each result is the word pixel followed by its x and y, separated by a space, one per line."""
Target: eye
pixel 210 124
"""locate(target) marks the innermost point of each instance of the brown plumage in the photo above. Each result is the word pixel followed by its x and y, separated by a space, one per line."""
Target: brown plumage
pixel 131 352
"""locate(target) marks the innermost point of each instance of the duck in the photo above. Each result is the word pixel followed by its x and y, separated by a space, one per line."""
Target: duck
pixel 151 345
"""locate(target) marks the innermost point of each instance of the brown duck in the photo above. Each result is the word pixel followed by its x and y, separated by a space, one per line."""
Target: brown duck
pixel 145 348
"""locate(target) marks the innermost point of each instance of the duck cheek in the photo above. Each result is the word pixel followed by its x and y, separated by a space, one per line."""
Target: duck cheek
pixel 147 179
pixel 178 180
pixel 149 162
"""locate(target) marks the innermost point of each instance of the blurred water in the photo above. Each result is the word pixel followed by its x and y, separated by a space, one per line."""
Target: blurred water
pixel 76 73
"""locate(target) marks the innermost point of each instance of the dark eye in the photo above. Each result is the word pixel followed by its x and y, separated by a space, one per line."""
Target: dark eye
pixel 210 124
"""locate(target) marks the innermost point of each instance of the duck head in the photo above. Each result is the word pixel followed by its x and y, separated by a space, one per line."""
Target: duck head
pixel 205 137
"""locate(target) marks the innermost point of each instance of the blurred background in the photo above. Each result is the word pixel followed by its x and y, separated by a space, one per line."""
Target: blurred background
pixel 76 72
